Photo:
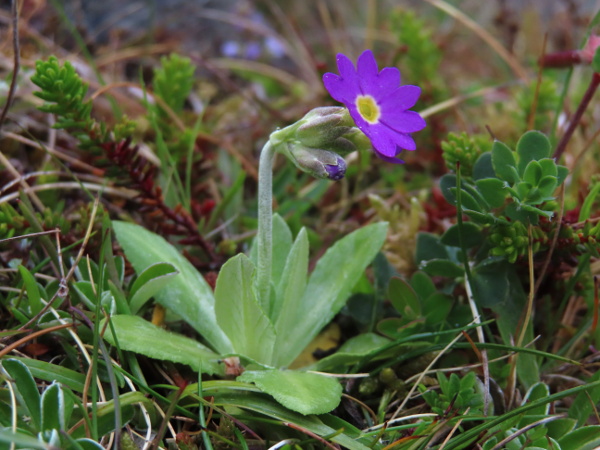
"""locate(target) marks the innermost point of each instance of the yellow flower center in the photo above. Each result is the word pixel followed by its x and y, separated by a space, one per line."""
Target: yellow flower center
pixel 368 108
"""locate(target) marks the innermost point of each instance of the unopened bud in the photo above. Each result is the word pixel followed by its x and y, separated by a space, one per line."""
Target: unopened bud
pixel 319 163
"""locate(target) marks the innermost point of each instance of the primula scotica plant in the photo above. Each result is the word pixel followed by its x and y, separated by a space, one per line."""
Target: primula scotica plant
pixel 266 308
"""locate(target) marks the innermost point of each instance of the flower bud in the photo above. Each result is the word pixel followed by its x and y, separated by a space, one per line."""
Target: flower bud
pixel 319 163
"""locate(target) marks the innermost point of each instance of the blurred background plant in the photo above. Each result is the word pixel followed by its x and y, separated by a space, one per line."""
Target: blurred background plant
pixel 473 326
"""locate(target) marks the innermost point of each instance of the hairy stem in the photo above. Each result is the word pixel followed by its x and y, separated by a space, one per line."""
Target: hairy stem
pixel 587 97
pixel 265 224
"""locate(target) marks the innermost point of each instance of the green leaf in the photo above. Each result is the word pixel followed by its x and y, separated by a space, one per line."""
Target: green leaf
pixel 239 313
pixel 484 168
pixel 588 203
pixel 437 307
pixel 152 279
pixel 596 61
pixel 563 172
pixel 33 292
pixel 265 405
pixel 468 201
pixel 560 427
pixel 26 389
pixel 292 285
pixel 493 190
pixel 535 392
pixel 187 294
pixel 137 335
pixel 442 268
pixel 503 160
pixel 53 408
pixel 583 405
pixel 303 392
pixel 549 167
pixel 532 173
pixel 282 244
pixel 471 233
pixel 51 372
pixel 422 284
pixel 448 187
pixel 586 438
pixel 353 350
pixel 404 298
pixel 22 440
pixel 429 247
pixel 532 146
pixel 329 287
pixel 547 186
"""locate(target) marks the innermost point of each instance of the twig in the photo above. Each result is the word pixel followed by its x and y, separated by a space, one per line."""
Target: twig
pixel 585 101
pixel 16 59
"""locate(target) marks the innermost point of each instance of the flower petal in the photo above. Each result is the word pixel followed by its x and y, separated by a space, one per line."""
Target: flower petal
pixel 388 79
pixel 405 141
pixel 346 68
pixel 366 66
pixel 390 159
pixel 404 97
pixel 384 139
pixel 340 89
pixel 404 121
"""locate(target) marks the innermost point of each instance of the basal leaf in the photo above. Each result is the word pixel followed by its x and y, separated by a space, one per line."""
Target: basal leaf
pixel 33 292
pixel 52 406
pixel 152 279
pixel 586 438
pixel 26 389
pixel 282 243
pixel 329 287
pixel 137 335
pixel 352 351
pixel 291 287
pixel 265 405
pixel 187 294
pixel 303 392
pixel 52 372
pixel 239 314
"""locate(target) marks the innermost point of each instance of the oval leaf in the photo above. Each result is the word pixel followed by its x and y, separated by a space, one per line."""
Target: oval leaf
pixel 303 392
pixel 493 190
pixel 404 298
pixel 532 146
pixel 471 234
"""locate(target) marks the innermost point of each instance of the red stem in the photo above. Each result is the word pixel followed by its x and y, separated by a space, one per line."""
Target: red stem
pixel 585 101
pixel 560 59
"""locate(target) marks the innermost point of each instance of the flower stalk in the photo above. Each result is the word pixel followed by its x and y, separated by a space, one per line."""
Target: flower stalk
pixel 265 224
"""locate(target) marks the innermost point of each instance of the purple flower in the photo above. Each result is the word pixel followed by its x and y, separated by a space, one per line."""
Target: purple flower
pixel 377 103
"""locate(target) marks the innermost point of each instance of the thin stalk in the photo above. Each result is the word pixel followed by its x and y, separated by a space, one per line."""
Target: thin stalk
pixel 265 224
pixel 470 296
pixel 585 101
